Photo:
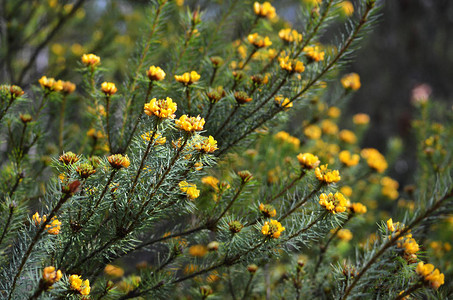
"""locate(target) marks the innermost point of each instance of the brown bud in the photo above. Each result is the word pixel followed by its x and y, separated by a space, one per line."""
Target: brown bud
pixel 245 175
pixel 235 226
pixel 242 97
pixel 26 118
pixel 252 268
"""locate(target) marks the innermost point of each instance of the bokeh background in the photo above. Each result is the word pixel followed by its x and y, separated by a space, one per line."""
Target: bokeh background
pixel 411 45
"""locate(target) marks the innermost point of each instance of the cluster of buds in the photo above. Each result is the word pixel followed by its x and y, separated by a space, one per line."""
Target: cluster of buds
pixel 260 79
pixel 81 286
pixel 190 189
pixel 268 210
pixel 290 36
pixel 50 84
pixel 118 161
pixel 49 277
pixel 308 160
pixel 69 158
pixel 265 10
pixel 235 226
pixel 351 82
pixel 245 176
pixel 85 170
pixel 242 97
pixel 335 203
pixel 91 60
pixel 314 53
pixel 13 90
pixel 272 229
pixel 162 108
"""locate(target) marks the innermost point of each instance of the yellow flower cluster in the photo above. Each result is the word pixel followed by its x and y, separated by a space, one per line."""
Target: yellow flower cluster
pixel 190 189
pixel 358 208
pixel 389 188
pixel 258 41
pixel 374 159
pixel 408 244
pixel 283 102
pixel 211 181
pixel 313 132
pixel 207 145
pixel 349 159
pixel 77 284
pixel 118 161
pixel 308 160
pixel 326 175
pixel 52 228
pixel 265 10
pixel 155 73
pixel 335 203
pixel 361 119
pixel 68 87
pixel 291 65
pixel 162 108
pixel 433 277
pixel 50 275
pixel 272 229
pixel 108 88
pixel 329 127
pixel 188 78
pixel 267 210
pixel 290 36
pixel 314 53
pixel 113 271
pixel 50 84
pixel 287 138
pixel 348 136
pixel 90 60
pixel 346 8
pixel 334 112
pixel 158 138
pixel 198 250
pixel 351 81
pixel 190 124
pixel 344 235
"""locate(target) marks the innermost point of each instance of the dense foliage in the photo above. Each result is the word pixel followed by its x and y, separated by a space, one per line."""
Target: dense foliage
pixel 207 155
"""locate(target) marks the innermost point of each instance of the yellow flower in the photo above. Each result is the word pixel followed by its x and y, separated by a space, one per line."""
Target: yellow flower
pixel 54 226
pixel 361 119
pixel 334 112
pixel 290 36
pixel 272 229
pixel 291 65
pixel 389 188
pixel 430 275
pixel 207 145
pixel 118 161
pixel 50 84
pixel 308 160
pixel 161 108
pixel 351 81
pixel 38 219
pixel 314 53
pixel 391 226
pixel 346 190
pixel 283 102
pixel 76 283
pixel 312 132
pixel 211 181
pixel 158 138
pixel 265 10
pixel 190 189
pixel 335 203
pixel 344 234
pixel 190 124
pixel 198 250
pixel 188 78
pixel 267 210
pixel 108 88
pixel 358 208
pixel 90 60
pixel 348 136
pixel 155 73
pixel 329 127
pixel 328 176
pixel 258 41
pixel 68 87
pixel 50 275
pixel 374 159
pixel 346 8
pixel 349 159
pixel 114 271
